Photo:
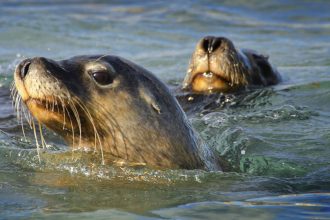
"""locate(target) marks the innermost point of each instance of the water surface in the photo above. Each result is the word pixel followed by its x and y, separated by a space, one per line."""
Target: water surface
pixel 277 140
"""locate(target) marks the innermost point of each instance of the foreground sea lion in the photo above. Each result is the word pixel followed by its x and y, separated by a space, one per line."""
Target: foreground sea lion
pixel 217 66
pixel 110 105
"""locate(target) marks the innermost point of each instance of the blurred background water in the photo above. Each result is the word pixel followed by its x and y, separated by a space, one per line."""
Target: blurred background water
pixel 277 140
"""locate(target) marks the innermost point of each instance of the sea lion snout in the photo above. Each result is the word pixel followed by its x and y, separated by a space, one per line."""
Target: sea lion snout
pixel 36 65
pixel 217 65
pixel 24 68
pixel 210 66
pixel 211 43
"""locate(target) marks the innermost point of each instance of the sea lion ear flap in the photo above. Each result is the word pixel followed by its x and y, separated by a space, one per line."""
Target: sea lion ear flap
pixel 149 99
pixel 267 71
pixel 262 62
pixel 258 56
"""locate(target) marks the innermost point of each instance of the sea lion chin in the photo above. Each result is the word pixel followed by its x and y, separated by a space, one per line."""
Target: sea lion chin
pixel 217 66
pixel 110 105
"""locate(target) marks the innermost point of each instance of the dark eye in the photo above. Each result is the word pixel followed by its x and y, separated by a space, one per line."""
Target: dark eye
pixel 102 78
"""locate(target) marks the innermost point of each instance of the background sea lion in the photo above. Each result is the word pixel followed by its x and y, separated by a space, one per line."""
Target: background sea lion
pixel 108 104
pixel 217 66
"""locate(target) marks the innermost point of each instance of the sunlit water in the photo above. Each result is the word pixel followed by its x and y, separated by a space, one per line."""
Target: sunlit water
pixel 276 140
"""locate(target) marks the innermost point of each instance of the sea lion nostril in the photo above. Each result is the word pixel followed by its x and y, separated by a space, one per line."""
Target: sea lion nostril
pixel 206 43
pixel 25 69
pixel 210 43
pixel 215 44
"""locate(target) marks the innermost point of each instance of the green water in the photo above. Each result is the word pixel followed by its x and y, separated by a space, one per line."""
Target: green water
pixel 275 140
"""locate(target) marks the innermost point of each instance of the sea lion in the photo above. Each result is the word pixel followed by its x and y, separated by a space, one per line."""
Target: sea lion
pixel 217 66
pixel 113 106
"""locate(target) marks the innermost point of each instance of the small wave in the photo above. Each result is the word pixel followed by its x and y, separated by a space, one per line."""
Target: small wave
pixel 282 113
pixel 90 165
pixel 294 206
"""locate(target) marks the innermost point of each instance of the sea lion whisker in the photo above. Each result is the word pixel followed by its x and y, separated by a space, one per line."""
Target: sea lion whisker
pixel 42 139
pixel 77 120
pixel 13 93
pixel 63 110
pixel 58 103
pixel 20 110
pixel 112 126
pixel 23 129
pixel 20 118
pixel 101 57
pixel 27 115
pixel 14 101
pixel 77 117
pixel 111 129
pixel 12 88
pixel 53 105
pixel 237 69
pixel 126 141
pixel 96 133
pixel 17 102
pixel 72 129
pixel 232 73
pixel 47 108
pixel 241 72
pixel 16 106
pixel 36 139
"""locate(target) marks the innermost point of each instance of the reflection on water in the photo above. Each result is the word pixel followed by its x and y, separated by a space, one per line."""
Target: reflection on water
pixel 274 140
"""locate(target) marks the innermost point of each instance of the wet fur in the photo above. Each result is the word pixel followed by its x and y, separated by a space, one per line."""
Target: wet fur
pixel 232 69
pixel 134 119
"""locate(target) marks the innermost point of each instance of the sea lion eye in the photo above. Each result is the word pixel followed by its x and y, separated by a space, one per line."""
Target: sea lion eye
pixel 102 77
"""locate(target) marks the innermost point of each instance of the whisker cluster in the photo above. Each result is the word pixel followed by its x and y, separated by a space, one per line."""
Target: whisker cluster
pixel 233 68
pixel 70 107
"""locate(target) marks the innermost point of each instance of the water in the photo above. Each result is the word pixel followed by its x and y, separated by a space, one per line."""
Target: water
pixel 275 140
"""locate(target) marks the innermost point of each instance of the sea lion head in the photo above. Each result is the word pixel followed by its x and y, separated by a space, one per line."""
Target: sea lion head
pixel 110 105
pixel 217 65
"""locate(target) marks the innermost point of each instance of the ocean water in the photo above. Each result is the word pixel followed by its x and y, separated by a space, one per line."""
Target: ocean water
pixel 276 140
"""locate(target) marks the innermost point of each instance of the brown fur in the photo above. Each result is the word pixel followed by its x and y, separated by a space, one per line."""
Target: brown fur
pixel 217 66
pixel 133 118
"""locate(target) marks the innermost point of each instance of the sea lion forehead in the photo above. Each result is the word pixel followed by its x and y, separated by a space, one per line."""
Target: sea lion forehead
pixel 97 62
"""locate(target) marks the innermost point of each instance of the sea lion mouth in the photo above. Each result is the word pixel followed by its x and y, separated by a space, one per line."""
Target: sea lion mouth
pixel 52 105
pixel 210 81
pixel 54 113
pixel 41 88
pixel 42 107
pixel 47 99
pixel 212 76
